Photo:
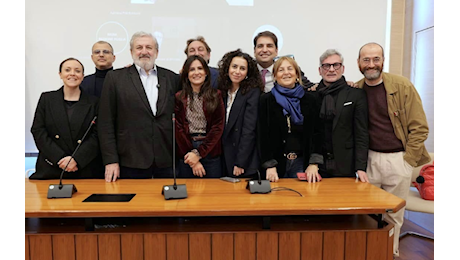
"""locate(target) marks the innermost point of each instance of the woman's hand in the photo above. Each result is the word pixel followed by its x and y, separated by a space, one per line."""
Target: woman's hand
pixel 312 173
pixel 237 171
pixel 272 174
pixel 198 170
pixel 191 159
pixel 72 165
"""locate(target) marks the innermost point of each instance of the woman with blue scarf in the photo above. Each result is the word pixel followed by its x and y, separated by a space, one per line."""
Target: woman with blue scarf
pixel 289 125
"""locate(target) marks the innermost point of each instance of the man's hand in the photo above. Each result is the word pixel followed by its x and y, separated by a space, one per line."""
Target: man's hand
pixel 362 176
pixel 352 84
pixel 112 172
pixel 313 88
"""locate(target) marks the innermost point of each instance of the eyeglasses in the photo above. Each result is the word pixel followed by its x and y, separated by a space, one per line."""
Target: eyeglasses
pixel 105 52
pixel 375 60
pixel 278 57
pixel 327 66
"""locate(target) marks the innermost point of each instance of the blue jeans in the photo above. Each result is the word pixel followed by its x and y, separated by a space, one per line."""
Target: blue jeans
pixel 212 166
pixel 293 167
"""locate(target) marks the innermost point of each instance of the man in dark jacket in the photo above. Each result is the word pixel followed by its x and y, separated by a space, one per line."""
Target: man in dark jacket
pixel 135 115
pixel 103 58
pixel 345 116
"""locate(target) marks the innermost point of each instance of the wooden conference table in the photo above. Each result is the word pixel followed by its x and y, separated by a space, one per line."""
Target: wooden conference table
pixel 218 220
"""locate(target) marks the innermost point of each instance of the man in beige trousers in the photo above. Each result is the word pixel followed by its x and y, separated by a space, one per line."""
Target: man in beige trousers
pixel 397 129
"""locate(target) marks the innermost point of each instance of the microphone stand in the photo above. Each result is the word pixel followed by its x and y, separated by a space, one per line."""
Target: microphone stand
pixel 261 186
pixel 67 190
pixel 174 191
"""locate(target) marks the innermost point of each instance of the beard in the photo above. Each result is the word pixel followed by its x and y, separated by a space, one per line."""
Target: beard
pixel 371 75
pixel 146 65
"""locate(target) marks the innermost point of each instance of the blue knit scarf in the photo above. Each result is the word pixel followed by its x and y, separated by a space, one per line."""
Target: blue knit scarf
pixel 289 99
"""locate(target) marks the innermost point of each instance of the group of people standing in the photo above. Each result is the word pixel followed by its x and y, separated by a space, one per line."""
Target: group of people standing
pixel 232 120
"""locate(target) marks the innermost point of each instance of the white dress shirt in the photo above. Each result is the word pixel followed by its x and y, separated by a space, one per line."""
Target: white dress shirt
pixel 150 83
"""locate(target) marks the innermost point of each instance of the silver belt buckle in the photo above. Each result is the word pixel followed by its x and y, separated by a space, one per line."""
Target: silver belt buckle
pixel 291 156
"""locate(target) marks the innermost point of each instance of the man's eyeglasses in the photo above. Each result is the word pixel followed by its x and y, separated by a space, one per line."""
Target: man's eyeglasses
pixel 278 57
pixel 375 60
pixel 327 66
pixel 105 52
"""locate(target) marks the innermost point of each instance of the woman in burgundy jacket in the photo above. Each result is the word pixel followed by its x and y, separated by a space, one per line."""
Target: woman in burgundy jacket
pixel 200 116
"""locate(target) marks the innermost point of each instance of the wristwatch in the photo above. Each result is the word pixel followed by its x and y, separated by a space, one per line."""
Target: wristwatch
pixel 195 151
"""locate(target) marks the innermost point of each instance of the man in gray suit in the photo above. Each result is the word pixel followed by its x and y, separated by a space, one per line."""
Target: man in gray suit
pixel 135 115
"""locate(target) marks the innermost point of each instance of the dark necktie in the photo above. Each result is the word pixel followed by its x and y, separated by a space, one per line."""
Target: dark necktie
pixel 264 72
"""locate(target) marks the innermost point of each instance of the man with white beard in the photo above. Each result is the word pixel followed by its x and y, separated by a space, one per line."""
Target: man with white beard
pixel 135 111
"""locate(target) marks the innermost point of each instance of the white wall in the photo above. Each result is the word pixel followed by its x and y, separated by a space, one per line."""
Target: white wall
pixel 58 29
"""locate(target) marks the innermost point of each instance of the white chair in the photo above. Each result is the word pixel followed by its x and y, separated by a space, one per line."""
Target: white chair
pixel 415 203
pixel 29 172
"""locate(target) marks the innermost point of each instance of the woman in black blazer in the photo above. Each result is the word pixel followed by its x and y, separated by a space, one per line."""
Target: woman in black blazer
pixel 61 119
pixel 241 85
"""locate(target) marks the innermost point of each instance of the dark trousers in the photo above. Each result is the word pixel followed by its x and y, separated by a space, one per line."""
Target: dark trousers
pixel 293 167
pixel 150 173
pixel 212 166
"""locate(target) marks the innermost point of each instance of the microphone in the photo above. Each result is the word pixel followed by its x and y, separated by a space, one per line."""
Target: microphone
pixel 174 191
pixel 67 190
pixel 261 186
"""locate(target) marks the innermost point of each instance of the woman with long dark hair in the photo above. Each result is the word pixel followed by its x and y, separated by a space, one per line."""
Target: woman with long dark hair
pixel 241 86
pixel 199 122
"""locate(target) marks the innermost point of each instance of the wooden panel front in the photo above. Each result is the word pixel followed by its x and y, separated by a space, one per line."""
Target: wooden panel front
pixel 289 245
pixel 355 245
pixel 267 246
pixel 199 246
pixel 64 247
pixel 333 245
pixel 86 247
pixel 222 246
pixel 155 246
pixel 312 246
pixel 41 247
pixel 132 247
pixel 301 237
pixel 27 254
pixel 109 247
pixel 245 246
